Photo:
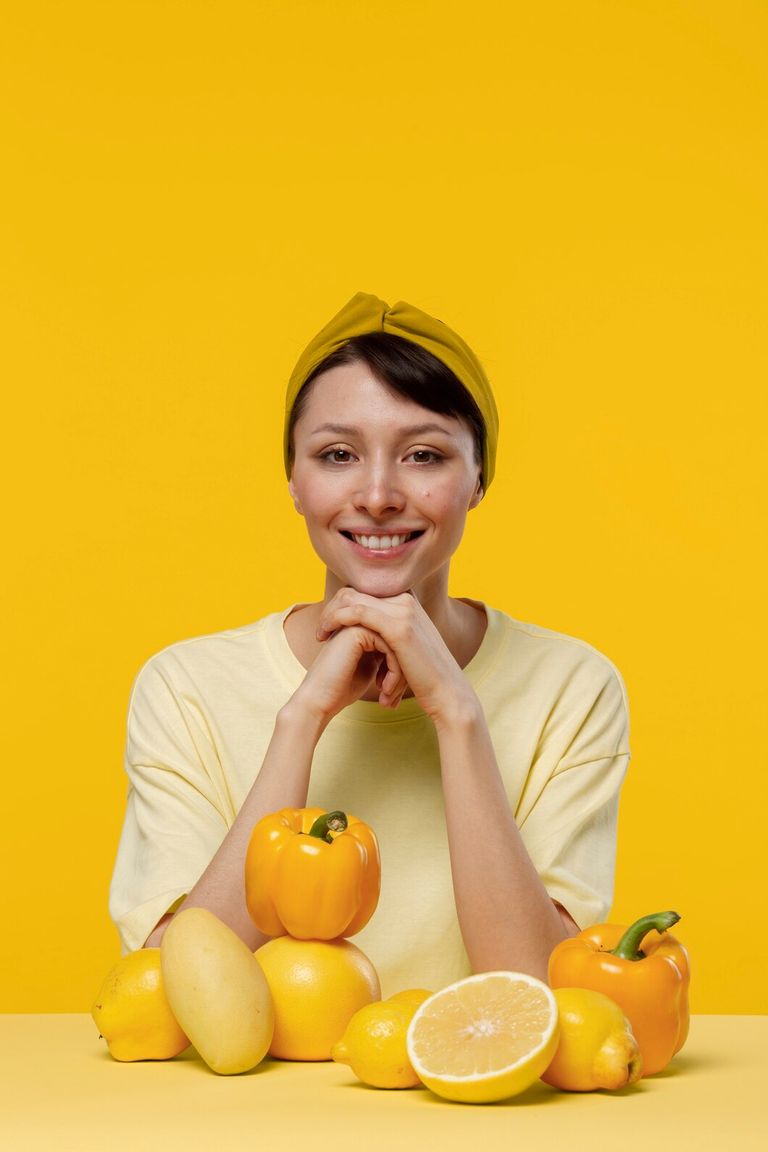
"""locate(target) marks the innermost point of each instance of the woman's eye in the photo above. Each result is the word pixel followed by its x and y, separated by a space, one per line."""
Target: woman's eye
pixel 424 456
pixel 337 455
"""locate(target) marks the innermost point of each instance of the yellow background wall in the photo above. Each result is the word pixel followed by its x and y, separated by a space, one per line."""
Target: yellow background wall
pixel 192 189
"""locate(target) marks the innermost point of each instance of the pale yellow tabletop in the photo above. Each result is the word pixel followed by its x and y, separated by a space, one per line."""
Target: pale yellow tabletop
pixel 60 1091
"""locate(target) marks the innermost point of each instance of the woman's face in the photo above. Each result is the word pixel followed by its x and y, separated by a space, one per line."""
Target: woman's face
pixel 383 484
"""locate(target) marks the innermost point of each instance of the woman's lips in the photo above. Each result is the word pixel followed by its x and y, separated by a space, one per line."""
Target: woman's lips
pixel 382 543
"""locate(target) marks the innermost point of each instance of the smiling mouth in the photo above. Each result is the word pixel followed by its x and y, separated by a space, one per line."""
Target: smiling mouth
pixel 383 543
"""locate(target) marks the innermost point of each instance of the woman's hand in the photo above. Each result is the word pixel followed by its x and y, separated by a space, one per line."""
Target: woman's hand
pixel 348 665
pixel 416 653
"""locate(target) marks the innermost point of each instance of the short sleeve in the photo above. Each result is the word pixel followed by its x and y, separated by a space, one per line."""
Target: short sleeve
pixel 175 815
pixel 570 830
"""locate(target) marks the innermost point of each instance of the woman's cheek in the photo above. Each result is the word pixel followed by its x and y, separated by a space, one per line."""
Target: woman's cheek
pixel 445 502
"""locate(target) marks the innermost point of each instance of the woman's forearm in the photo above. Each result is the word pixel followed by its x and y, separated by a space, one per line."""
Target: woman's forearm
pixel 340 674
pixel 507 918
pixel 283 782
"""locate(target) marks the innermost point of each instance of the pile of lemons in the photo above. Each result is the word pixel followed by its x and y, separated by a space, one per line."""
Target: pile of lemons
pixel 485 1038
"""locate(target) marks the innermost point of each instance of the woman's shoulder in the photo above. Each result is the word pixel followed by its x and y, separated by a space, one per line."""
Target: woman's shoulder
pixel 211 652
pixel 547 652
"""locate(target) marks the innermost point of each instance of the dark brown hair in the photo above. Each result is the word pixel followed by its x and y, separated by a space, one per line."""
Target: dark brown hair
pixel 407 369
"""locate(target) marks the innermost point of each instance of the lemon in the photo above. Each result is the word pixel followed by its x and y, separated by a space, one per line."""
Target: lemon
pixel 374 1041
pixel 596 1048
pixel 317 986
pixel 484 1038
pixel 413 996
pixel 132 1012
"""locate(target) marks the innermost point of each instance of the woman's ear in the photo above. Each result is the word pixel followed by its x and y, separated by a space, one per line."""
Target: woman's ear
pixel 294 497
pixel 477 494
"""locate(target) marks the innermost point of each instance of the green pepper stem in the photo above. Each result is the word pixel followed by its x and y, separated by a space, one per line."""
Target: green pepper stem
pixel 327 823
pixel 628 948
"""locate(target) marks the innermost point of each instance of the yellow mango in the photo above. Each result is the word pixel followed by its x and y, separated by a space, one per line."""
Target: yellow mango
pixel 217 991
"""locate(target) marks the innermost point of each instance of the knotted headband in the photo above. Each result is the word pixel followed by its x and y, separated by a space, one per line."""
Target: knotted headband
pixel 366 313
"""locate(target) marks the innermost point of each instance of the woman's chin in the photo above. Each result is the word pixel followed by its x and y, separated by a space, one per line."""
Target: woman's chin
pixel 378 584
pixel 382 589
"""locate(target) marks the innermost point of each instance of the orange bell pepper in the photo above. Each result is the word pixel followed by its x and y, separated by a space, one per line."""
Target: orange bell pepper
pixel 650 984
pixel 311 874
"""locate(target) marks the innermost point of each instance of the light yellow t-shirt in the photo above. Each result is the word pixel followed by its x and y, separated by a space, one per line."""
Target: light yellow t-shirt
pixel 201 716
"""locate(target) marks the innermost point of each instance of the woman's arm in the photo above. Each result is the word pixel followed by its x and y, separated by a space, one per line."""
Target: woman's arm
pixel 506 916
pixel 283 782
pixel 343 671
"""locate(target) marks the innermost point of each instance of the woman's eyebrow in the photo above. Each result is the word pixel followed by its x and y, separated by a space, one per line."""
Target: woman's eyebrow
pixel 411 430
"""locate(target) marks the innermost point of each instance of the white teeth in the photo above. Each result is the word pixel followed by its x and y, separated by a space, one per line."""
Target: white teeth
pixel 381 543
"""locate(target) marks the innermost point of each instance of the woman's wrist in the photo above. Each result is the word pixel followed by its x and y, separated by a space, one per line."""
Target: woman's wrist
pixel 459 715
pixel 299 715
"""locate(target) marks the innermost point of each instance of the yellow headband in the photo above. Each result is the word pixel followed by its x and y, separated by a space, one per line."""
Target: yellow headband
pixel 366 313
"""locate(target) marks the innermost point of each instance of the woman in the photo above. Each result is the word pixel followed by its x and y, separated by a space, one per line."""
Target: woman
pixel 487 754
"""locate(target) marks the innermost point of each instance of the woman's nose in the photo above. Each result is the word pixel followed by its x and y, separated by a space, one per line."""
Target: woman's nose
pixel 378 491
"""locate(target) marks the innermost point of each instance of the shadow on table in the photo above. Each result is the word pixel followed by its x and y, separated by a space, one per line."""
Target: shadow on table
pixel 189 1056
pixel 541 1094
pixel 682 1064
pixel 537 1095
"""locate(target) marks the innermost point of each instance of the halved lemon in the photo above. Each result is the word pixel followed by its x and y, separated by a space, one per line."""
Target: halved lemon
pixel 484 1038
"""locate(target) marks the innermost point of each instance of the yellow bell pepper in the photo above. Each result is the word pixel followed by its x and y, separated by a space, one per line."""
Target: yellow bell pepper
pixel 650 985
pixel 311 874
